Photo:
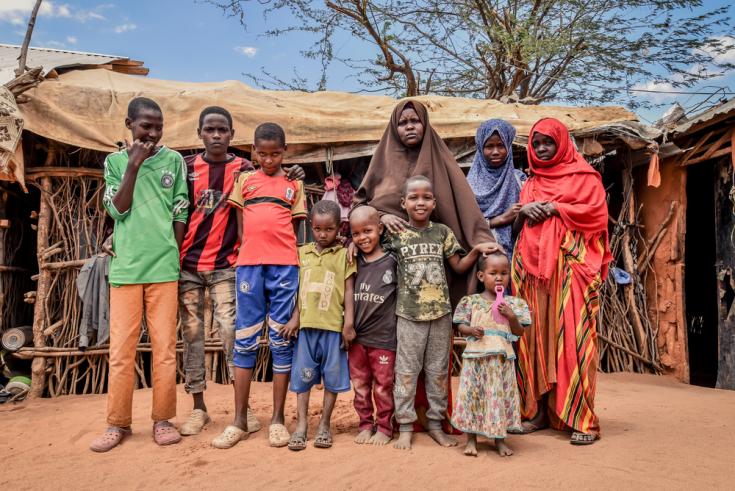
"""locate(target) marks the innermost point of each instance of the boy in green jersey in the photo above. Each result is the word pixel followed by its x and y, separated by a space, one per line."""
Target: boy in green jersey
pixel 147 197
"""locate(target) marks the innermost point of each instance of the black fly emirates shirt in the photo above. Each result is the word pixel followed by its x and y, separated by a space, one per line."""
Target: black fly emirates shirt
pixel 375 302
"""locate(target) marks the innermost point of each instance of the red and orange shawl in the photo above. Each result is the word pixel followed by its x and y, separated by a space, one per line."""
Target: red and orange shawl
pixel 558 267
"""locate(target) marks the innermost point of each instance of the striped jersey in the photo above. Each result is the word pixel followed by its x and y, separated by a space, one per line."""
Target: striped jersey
pixel 211 240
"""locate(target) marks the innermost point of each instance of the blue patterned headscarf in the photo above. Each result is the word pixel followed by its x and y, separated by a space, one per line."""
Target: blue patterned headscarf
pixel 496 188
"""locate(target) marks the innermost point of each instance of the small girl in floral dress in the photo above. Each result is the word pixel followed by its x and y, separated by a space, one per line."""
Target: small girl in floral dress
pixel 488 403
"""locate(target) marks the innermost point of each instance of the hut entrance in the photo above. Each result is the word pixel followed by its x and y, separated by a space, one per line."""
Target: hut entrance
pixel 725 270
pixel 700 276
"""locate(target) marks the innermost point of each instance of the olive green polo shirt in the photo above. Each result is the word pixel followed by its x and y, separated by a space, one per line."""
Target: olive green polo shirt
pixel 322 277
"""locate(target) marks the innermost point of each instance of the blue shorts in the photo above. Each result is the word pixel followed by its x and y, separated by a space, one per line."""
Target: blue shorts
pixel 319 354
pixel 259 288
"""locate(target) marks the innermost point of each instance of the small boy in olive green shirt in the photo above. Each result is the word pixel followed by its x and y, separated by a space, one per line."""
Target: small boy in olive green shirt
pixel 324 320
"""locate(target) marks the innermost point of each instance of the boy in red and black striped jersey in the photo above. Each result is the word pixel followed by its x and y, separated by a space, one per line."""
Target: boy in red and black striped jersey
pixel 208 255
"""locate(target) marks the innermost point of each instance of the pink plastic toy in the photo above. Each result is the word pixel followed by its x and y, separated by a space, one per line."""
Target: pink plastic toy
pixel 499 300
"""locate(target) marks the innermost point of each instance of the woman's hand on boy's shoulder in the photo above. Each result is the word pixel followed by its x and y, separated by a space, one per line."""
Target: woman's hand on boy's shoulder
pixel 394 224
pixel 295 173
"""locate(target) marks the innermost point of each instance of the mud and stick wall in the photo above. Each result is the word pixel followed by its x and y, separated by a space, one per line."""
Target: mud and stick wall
pixel 663 215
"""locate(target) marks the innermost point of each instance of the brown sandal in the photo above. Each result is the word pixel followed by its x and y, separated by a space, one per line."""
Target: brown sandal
pixel 165 433
pixel 111 438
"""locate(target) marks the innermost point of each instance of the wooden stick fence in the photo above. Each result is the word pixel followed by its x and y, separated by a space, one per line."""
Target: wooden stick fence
pixel 627 338
pixel 71 228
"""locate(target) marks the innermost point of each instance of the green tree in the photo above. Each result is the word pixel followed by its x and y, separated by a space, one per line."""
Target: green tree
pixel 581 51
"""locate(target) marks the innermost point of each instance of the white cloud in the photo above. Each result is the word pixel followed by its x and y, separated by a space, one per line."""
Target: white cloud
pixel 63 11
pixel 16 12
pixel 125 28
pixel 86 15
pixel 724 53
pixel 71 39
pixel 248 51
pixel 660 89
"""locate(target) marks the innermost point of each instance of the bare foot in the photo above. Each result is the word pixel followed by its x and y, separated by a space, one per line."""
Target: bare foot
pixel 404 440
pixel 442 439
pixel 503 449
pixel 363 436
pixel 380 439
pixel 471 449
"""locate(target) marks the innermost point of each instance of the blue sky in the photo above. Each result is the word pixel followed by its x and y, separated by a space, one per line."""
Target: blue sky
pixel 193 41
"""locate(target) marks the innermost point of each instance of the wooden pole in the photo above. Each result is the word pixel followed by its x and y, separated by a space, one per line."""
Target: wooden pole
pixel 38 367
pixel 27 40
pixel 3 269
pixel 635 317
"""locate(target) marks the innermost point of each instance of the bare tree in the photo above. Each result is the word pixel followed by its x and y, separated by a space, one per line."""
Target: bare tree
pixel 593 51
pixel 27 40
pixel 25 78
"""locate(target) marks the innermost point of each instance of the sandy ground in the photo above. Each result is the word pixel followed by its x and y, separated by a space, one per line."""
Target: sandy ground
pixel 657 433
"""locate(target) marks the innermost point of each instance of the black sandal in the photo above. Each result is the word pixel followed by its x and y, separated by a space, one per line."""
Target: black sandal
pixel 323 440
pixel 297 441
pixel 579 438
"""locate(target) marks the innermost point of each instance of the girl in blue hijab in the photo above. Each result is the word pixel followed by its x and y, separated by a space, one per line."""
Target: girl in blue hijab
pixel 494 180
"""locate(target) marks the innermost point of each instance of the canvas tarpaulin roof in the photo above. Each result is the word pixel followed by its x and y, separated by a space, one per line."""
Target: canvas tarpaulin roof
pixel 88 108
pixel 11 127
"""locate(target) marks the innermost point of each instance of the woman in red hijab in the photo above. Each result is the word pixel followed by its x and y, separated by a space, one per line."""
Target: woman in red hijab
pixel 560 262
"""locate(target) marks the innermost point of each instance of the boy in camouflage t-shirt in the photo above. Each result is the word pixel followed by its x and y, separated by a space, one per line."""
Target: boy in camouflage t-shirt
pixel 424 329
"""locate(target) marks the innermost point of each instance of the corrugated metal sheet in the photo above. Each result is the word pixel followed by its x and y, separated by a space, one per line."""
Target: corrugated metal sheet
pixel 51 59
pixel 723 108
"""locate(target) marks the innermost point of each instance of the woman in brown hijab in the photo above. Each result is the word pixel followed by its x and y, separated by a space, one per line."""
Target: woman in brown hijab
pixel 411 147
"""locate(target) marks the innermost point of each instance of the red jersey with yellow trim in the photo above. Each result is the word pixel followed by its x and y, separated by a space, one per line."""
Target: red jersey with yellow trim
pixel 211 240
pixel 269 205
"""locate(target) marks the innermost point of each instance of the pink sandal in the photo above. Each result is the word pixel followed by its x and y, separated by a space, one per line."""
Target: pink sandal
pixel 111 438
pixel 165 433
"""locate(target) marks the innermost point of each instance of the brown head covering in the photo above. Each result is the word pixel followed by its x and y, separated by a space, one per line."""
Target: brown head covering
pixel 393 163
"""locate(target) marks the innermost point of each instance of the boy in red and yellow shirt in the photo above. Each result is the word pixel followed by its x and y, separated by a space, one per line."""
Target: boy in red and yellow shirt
pixel 267 277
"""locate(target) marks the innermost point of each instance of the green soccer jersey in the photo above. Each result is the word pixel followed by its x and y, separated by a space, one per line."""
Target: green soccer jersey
pixel 144 242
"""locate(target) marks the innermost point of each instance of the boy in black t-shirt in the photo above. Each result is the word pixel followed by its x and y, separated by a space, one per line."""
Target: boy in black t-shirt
pixel 373 353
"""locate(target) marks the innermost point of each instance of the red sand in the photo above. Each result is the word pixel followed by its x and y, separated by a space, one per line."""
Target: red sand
pixel 657 433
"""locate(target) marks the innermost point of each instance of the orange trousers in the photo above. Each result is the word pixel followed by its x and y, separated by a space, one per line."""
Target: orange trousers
pixel 159 301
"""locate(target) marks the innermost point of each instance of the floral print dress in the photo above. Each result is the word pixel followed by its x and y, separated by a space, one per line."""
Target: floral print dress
pixel 488 403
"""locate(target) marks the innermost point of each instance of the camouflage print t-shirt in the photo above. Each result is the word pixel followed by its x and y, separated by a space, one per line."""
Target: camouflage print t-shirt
pixel 423 294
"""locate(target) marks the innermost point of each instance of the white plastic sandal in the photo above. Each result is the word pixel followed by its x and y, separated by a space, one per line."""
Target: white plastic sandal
pixel 253 423
pixel 278 435
pixel 230 437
